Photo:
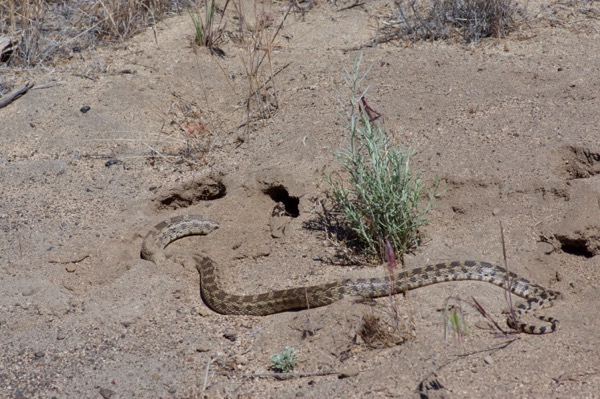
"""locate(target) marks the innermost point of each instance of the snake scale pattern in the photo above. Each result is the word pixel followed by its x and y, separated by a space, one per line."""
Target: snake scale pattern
pixel 537 297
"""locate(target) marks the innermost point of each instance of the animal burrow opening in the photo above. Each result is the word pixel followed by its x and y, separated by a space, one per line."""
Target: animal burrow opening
pixel 579 162
pixel 280 194
pixel 576 247
pixel 191 193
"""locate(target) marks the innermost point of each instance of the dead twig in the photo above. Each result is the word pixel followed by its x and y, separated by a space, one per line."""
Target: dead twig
pixel 15 94
pixel 485 314
pixel 357 3
pixel 66 262
pixel 282 375
pixel 52 83
pixel 205 384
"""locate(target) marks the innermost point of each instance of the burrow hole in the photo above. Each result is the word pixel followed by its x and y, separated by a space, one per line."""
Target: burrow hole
pixel 576 247
pixel 280 194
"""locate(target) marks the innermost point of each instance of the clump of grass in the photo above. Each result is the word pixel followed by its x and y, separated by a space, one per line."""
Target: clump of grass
pixel 259 40
pixel 121 19
pixel 284 361
pixel 378 194
pixel 43 30
pixel 206 33
pixel 377 333
pixel 23 23
pixel 441 19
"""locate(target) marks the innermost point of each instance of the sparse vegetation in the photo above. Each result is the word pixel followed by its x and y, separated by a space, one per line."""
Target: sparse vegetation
pixel 376 333
pixel 261 101
pixel 206 33
pixel 42 30
pixel 442 19
pixel 379 196
pixel 454 322
pixel 284 361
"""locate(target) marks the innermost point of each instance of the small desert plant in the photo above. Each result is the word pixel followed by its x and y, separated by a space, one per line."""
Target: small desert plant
pixel 454 321
pixel 438 19
pixel 284 361
pixel 208 34
pixel 378 195
pixel 378 333
pixel 262 101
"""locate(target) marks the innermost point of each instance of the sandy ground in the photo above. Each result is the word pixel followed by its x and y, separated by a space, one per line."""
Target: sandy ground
pixel 510 127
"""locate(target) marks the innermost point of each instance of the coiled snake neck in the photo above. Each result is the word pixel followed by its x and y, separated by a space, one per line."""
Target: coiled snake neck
pixel 536 296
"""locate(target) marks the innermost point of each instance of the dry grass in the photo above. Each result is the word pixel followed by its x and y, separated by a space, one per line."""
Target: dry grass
pixel 45 30
pixel 258 36
pixel 471 20
pixel 378 333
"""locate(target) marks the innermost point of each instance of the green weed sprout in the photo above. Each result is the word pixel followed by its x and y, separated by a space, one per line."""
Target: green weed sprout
pixel 284 361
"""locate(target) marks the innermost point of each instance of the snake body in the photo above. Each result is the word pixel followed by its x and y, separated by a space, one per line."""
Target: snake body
pixel 536 296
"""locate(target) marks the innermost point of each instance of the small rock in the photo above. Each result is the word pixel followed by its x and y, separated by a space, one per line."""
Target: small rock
pixel 70 268
pixel 202 348
pixel 246 324
pixel 85 109
pixel 488 359
pixel 231 335
pixel 204 311
pixel 28 291
pixel 348 371
pixel 545 247
pixel 496 211
pixel 60 335
pixel 75 303
pixel 112 162
pixel 39 354
pixel 106 393
pixel 240 360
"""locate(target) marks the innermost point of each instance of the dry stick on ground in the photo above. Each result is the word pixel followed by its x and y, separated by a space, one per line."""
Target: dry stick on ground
pixel 205 384
pixel 485 314
pixel 15 94
pixel 9 98
pixel 66 262
pixel 282 375
pixel 357 3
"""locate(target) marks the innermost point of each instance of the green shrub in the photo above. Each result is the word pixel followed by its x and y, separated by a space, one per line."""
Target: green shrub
pixel 379 197
pixel 284 361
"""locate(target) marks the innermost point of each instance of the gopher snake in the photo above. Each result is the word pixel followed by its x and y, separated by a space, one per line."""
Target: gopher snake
pixel 164 233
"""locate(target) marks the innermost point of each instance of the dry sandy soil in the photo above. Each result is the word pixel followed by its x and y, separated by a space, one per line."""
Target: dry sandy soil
pixel 509 126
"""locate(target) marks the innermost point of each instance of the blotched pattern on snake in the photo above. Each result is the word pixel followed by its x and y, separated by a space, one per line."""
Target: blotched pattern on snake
pixel 537 297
